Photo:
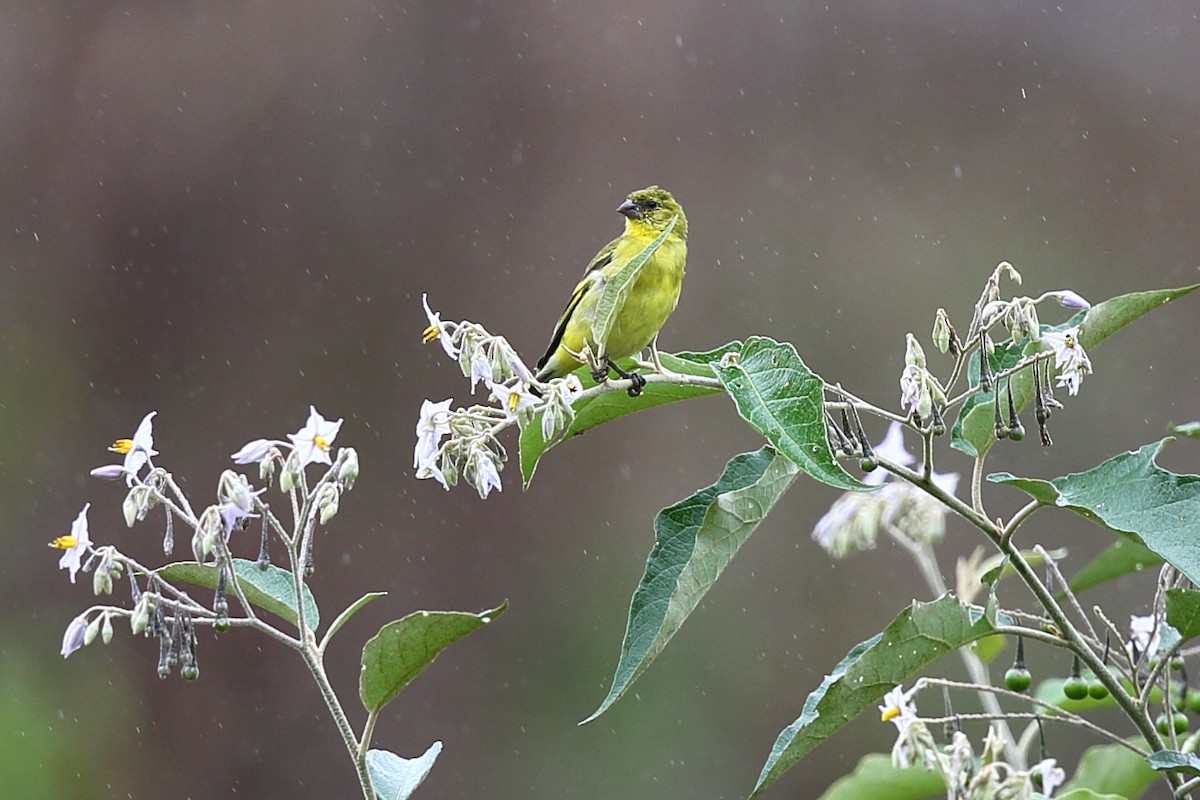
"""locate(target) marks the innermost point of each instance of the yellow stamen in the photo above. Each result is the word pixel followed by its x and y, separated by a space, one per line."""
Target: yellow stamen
pixel 121 446
pixel 889 714
pixel 1069 341
pixel 431 333
pixel 64 542
pixel 513 401
pixel 321 444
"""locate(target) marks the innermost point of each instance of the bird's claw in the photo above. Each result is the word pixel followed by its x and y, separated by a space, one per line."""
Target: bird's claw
pixel 637 382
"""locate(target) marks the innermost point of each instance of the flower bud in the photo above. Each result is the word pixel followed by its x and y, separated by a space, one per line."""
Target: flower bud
pixel 328 503
pixel 129 507
pixel 941 330
pixel 106 629
pixel 93 630
pixel 914 355
pixel 348 471
pixel 110 472
pixel 254 452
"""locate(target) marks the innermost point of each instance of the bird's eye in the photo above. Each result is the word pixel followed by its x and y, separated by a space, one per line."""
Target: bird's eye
pixel 650 205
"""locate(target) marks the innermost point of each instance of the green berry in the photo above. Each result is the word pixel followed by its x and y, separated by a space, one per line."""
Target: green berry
pixel 1075 688
pixel 1017 679
pixel 1181 722
pixel 1097 690
pixel 1192 700
pixel 1177 662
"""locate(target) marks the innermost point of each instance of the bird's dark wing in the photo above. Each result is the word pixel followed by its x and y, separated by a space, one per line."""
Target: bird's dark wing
pixel 587 284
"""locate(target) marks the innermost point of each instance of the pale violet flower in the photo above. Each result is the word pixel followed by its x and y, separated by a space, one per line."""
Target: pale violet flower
pixel 437 330
pixel 515 399
pixel 433 424
pixel 232 515
pixel 481 369
pixel 851 524
pixel 73 636
pixel 138 450
pixel 1069 358
pixel 1053 775
pixel 312 442
pixel 253 452
pixel 486 476
pixel 75 545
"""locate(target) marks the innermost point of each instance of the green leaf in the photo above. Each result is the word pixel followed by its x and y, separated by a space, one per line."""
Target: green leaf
pixel 785 401
pixel 616 287
pixel 876 779
pixel 1183 612
pixel 918 636
pixel 1131 495
pixel 695 540
pixel 1191 429
pixel 1120 558
pixel 1086 794
pixel 603 408
pixel 1175 760
pixel 1111 770
pixel 404 648
pixel 271 589
pixel 349 612
pixel 974 430
pixel 396 778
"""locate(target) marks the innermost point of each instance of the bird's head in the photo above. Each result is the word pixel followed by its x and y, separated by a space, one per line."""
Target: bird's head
pixel 653 208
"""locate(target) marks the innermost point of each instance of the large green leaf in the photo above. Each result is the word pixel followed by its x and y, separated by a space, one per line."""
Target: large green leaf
pixel 918 636
pixel 1188 763
pixel 1183 612
pixel 1131 495
pixel 785 401
pixel 1110 769
pixel 270 589
pixel 875 778
pixel 608 406
pixel 974 429
pixel 396 778
pixel 616 287
pixel 1120 558
pixel 695 540
pixel 404 648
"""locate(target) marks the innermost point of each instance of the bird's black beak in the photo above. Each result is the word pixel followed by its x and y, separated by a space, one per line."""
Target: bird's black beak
pixel 630 209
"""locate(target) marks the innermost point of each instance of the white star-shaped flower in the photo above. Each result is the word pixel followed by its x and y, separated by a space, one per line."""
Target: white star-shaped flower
pixel 75 545
pixel 312 442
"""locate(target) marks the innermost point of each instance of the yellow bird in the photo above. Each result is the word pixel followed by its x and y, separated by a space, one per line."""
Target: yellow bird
pixel 651 298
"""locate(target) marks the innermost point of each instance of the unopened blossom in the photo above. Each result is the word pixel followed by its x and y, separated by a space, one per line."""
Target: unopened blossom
pixel 253 452
pixel 312 442
pixel 73 636
pixel 75 545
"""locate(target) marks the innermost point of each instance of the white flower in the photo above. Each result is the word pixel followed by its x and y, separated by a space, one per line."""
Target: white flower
pixel 73 637
pixel 1053 776
pixel 429 469
pixel 515 399
pixel 253 452
pixel 312 442
pixel 138 450
pixel 897 708
pixel 1069 358
pixel 1143 634
pixel 890 449
pixel 433 424
pixel 437 330
pixel 75 544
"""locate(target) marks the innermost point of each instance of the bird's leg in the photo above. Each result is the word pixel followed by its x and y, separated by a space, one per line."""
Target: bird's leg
pixel 655 359
pixel 637 380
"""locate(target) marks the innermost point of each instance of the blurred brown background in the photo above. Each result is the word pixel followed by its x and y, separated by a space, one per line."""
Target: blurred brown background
pixel 225 211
